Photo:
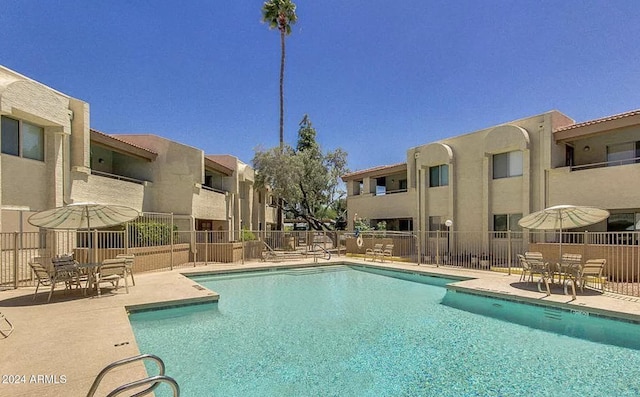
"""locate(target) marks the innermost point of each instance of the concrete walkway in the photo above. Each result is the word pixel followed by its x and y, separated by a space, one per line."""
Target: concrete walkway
pixel 58 348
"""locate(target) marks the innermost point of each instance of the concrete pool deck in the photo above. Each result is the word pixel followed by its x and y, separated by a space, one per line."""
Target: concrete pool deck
pixel 58 348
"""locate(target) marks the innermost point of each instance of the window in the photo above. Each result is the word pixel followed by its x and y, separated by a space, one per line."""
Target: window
pixel 402 184
pixel 505 222
pixel 625 225
pixel 439 175
pixel 623 222
pixel 623 153
pixel 20 138
pixel 381 186
pixel 436 223
pixel 506 165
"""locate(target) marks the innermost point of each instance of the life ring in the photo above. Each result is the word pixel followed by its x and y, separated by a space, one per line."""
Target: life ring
pixel 359 242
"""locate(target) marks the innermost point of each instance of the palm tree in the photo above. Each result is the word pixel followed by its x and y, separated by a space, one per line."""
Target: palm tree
pixel 280 14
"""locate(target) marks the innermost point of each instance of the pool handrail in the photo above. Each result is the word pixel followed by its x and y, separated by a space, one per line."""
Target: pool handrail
pixel 155 379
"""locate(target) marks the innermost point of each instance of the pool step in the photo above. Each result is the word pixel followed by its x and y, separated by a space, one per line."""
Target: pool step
pixel 315 270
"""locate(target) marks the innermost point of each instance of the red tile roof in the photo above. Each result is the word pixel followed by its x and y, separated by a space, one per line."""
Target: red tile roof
pixel 119 139
pixel 372 170
pixel 598 121
pixel 223 162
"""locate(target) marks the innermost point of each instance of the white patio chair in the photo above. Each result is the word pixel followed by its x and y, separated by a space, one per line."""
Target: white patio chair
pixel 111 271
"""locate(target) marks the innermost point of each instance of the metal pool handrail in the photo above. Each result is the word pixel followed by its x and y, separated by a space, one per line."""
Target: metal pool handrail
pixel 155 379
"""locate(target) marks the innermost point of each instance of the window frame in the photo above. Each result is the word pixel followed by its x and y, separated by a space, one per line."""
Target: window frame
pixel 511 224
pixel 22 128
pixel 509 163
pixel 443 177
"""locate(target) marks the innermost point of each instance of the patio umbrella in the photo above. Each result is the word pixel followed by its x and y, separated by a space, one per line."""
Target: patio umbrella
pixel 560 217
pixel 83 216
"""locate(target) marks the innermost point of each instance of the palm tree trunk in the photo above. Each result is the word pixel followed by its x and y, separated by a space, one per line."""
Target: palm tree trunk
pixel 282 90
pixel 279 225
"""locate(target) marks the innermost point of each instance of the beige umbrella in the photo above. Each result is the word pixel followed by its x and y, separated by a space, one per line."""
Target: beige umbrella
pixel 562 217
pixel 83 216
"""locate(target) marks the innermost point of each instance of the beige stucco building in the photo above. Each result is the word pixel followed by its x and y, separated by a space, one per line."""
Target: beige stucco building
pixel 51 157
pixel 488 179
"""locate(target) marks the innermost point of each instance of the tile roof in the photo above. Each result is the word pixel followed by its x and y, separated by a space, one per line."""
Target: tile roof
pixel 600 120
pixel 223 162
pixel 120 139
pixel 372 170
pixel 226 160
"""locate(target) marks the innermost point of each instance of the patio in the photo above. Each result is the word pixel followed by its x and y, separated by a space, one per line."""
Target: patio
pixel 68 341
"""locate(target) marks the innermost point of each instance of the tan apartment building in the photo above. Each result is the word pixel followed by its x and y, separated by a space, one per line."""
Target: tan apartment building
pixel 488 179
pixel 51 157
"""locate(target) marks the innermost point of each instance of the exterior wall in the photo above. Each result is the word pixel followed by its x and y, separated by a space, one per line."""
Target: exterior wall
pixel 397 205
pixel 607 187
pixel 177 174
pixel 209 205
pixel 88 188
pixel 472 197
pixel 32 185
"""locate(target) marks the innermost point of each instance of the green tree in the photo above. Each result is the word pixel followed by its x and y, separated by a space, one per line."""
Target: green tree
pixel 280 14
pixel 306 180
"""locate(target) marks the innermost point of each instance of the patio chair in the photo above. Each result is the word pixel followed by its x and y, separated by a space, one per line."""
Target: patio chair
pixel 568 264
pixel 49 278
pixel 592 269
pixel 537 267
pixel 111 271
pixel 526 267
pixel 374 252
pixel 129 259
pixel 5 331
pixel 65 265
pixel 387 252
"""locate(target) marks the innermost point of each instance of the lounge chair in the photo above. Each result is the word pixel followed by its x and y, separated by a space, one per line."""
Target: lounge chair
pixel 5 331
pixel 111 271
pixel 129 259
pixel 387 252
pixel 48 278
pixel 376 251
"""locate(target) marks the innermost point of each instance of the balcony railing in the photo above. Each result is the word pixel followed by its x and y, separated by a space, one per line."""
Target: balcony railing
pixel 605 164
pixel 213 189
pixel 118 177
pixel 384 193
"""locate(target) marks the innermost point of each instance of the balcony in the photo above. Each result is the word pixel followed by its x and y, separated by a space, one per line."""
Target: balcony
pixel 209 203
pixel 608 185
pixel 399 204
pixel 108 188
pixel 615 163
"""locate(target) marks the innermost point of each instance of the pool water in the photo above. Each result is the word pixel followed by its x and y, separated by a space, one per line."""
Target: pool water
pixel 341 331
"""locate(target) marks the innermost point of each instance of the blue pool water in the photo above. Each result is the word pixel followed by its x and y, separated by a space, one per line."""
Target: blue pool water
pixel 345 332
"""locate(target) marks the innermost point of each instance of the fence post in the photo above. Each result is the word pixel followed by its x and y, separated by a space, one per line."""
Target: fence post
pixel 15 260
pixel 509 250
pixel 438 248
pixel 171 242
pixel 418 246
pixel 242 242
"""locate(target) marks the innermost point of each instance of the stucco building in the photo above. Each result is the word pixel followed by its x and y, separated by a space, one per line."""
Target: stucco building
pixel 488 179
pixel 51 157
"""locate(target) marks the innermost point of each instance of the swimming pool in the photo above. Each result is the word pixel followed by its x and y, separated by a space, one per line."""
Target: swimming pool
pixel 341 331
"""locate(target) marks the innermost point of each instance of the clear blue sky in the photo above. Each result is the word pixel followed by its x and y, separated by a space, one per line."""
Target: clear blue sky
pixel 376 77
